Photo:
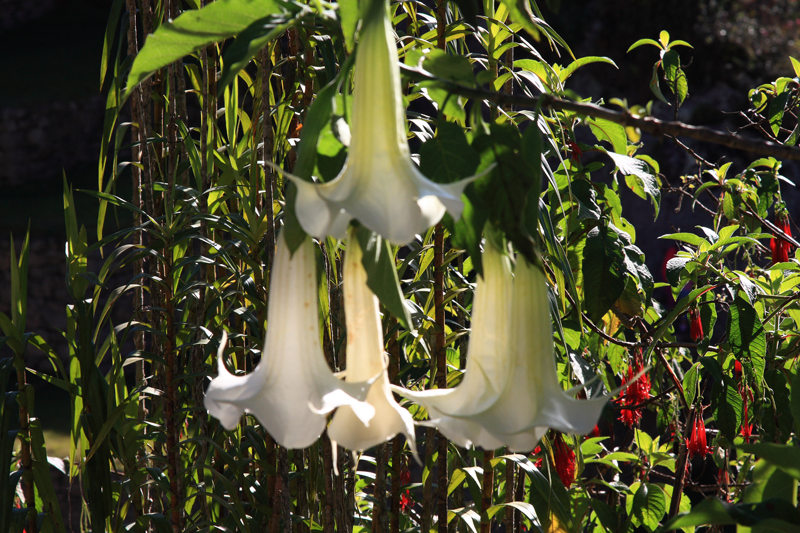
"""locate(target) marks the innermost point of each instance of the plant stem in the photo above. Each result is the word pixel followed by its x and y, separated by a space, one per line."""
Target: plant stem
pixel 486 490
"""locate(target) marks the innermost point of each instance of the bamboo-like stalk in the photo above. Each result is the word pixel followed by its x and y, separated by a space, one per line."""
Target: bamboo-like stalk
pixel 26 459
pixel 397 442
pixel 379 492
pixel 486 490
pixel 267 139
pixel 438 301
pixel 441 368
pixel 328 524
pixel 508 518
pixel 427 487
pixel 171 400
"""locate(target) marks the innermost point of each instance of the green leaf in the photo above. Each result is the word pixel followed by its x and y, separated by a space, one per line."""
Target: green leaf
pixel 249 42
pixel 672 64
pixel 348 15
pixel 193 30
pixel 448 157
pixel 603 271
pixel 455 68
pixel 795 66
pixel 748 340
pixel 647 507
pixel 727 407
pixel 630 166
pixel 784 457
pixel 520 11
pixel 691 381
pixel 776 109
pixel 654 86
pixel 614 133
pixel 795 401
pixel 575 65
pixel 690 238
pixel 641 42
pixel 707 512
pixel 378 261
pixel 41 475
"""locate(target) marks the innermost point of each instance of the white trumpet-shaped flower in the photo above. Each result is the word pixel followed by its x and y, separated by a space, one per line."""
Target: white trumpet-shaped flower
pixel 365 360
pixel 379 185
pixel 519 398
pixel 292 387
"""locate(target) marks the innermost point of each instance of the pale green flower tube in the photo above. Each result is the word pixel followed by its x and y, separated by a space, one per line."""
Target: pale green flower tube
pixel 365 361
pixel 291 388
pixel 380 185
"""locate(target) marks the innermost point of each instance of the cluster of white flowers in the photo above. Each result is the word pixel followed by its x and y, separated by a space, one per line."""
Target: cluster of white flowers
pixel 510 394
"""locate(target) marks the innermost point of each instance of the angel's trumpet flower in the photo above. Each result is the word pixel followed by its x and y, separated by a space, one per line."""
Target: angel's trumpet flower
pixel 292 387
pixel 526 398
pixel 365 361
pixel 488 358
pixel 379 184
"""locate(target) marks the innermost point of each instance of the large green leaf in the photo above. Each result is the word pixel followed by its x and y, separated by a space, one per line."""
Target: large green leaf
pixel 645 181
pixel 726 404
pixel 787 458
pixel 249 42
pixel 747 338
pixel 195 29
pixel 613 133
pixel 603 271
pixel 378 261
pixel 647 507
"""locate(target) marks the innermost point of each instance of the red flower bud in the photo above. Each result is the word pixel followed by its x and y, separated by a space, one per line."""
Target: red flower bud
pixel 697 439
pixel 565 461
pixel 695 325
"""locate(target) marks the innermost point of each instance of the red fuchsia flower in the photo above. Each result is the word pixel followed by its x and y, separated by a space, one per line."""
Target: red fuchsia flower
pixel 695 325
pixel 406 503
pixel 780 247
pixel 697 439
pixel 537 451
pixel 575 150
pixel 565 460
pixel 747 397
pixel 635 391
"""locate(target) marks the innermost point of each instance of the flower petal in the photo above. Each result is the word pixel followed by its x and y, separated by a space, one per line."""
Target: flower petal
pixel 365 359
pixel 292 387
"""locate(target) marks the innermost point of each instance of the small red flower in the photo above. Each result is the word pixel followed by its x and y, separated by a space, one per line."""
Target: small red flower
pixel 575 150
pixel 737 370
pixel 538 462
pixel 635 392
pixel 779 247
pixel 695 325
pixel 406 503
pixel 405 476
pixel 697 439
pixel 565 461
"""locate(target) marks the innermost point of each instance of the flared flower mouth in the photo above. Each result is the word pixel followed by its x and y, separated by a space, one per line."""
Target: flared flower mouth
pixel 380 185
pixel 365 360
pixel 516 404
pixel 291 389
